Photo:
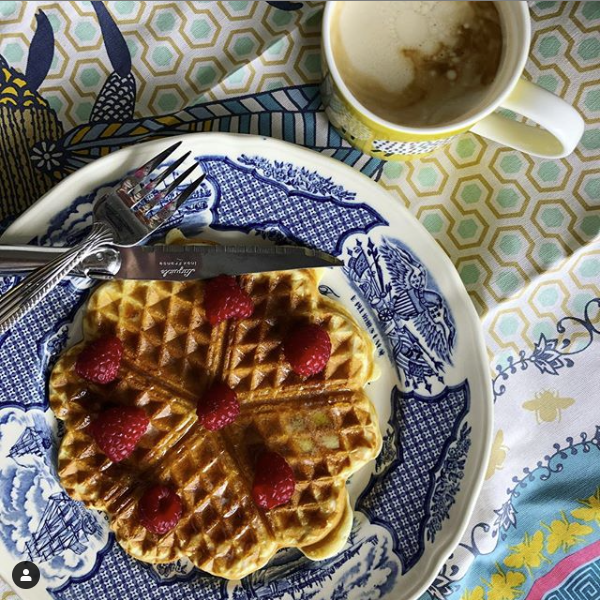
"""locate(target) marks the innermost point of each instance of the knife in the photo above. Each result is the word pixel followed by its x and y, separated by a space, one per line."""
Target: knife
pixel 172 263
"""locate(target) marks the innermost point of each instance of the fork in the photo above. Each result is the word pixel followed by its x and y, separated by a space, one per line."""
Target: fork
pixel 125 216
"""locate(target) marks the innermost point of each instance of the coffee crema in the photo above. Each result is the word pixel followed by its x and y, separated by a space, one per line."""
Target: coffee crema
pixel 417 64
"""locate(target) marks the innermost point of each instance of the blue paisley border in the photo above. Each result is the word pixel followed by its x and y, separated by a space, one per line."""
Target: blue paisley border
pixel 99 559
pixel 324 194
pixel 459 425
pixel 548 355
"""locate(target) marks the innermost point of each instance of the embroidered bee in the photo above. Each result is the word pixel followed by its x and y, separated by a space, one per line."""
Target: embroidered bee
pixel 497 455
pixel 548 405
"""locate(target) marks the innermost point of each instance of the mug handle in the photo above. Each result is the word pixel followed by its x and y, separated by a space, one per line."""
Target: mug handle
pixel 561 125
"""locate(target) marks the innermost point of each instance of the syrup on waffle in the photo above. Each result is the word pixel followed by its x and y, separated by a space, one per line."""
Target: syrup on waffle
pixel 324 426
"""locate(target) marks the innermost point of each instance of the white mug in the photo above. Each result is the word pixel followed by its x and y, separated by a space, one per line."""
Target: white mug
pixel 561 126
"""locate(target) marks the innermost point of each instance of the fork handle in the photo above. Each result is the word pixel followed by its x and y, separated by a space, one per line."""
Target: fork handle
pixel 18 301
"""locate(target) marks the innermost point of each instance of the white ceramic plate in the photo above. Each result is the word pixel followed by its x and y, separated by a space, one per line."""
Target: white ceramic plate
pixel 433 398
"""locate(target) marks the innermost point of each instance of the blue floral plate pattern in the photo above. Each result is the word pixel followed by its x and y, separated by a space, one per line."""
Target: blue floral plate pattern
pixel 433 397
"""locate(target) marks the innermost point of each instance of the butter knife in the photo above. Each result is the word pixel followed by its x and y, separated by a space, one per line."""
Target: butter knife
pixel 172 263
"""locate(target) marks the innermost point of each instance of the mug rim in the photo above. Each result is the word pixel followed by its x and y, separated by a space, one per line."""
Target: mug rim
pixel 523 12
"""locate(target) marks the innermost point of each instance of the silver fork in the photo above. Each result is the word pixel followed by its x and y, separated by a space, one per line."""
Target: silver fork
pixel 124 216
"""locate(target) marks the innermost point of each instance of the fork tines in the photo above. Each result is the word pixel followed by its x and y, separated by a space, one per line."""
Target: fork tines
pixel 172 206
pixel 155 162
pixel 144 198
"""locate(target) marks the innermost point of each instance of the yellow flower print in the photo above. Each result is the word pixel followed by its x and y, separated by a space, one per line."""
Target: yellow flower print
pixel 591 512
pixel 504 586
pixel 564 534
pixel 474 594
pixel 528 553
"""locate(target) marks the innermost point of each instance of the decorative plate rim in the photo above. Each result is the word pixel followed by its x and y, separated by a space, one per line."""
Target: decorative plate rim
pixel 29 224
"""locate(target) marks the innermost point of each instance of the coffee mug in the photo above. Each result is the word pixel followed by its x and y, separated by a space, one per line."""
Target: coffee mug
pixel 561 126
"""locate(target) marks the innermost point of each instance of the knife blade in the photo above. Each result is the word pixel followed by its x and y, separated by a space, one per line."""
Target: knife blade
pixel 171 263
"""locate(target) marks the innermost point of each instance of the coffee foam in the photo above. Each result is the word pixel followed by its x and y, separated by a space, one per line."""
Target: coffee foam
pixel 396 56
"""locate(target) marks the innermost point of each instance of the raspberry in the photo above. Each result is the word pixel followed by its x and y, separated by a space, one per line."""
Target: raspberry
pixel 99 361
pixel 159 509
pixel 225 299
pixel 118 430
pixel 218 407
pixel 307 348
pixel 274 480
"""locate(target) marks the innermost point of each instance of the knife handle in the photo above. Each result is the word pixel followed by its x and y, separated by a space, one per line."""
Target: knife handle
pixel 19 300
pixel 19 260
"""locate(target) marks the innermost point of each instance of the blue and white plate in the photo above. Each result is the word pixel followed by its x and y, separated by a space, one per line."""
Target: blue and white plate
pixel 433 398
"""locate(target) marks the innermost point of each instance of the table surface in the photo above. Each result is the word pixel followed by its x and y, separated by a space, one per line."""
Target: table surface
pixel 522 231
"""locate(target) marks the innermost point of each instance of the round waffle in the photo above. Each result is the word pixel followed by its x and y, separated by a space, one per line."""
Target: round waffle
pixel 325 426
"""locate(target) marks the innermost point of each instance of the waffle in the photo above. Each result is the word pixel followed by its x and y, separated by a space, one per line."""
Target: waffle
pixel 325 426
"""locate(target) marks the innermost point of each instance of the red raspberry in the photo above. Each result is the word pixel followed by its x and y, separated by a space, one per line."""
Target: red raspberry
pixel 225 299
pixel 307 349
pixel 118 430
pixel 99 361
pixel 159 509
pixel 218 407
pixel 274 480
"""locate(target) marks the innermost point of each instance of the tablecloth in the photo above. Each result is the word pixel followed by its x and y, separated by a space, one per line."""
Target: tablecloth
pixel 90 77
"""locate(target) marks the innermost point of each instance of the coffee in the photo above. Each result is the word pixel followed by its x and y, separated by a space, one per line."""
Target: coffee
pixel 417 63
